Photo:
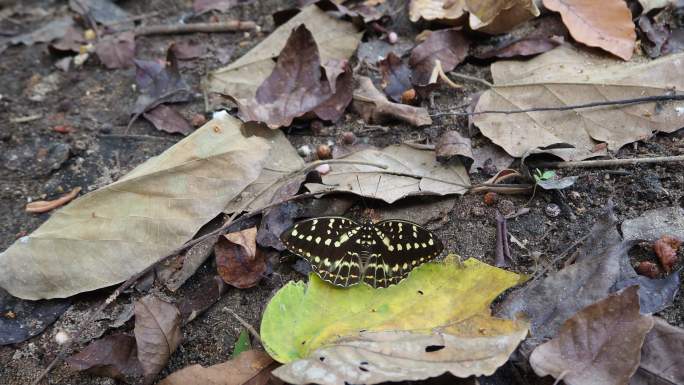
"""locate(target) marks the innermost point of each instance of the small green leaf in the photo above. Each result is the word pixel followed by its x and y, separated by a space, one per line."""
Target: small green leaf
pixel 242 344
pixel 548 175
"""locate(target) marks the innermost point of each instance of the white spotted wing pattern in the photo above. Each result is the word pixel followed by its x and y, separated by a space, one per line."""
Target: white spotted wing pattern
pixel 345 253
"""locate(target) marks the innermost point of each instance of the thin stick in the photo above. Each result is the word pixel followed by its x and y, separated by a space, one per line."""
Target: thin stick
pixel 610 162
pixel 244 324
pixel 642 100
pixel 472 78
pixel 226 26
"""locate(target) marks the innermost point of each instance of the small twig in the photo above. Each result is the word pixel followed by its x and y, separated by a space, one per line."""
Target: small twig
pixel 244 324
pixel 562 255
pixel 610 162
pixel 226 26
pixel 132 136
pixel 26 119
pixel 440 73
pixel 642 100
pixel 472 78
pixel 503 250
pixel 45 206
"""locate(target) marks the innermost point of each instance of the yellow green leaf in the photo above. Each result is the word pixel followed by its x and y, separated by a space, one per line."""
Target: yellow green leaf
pixel 300 318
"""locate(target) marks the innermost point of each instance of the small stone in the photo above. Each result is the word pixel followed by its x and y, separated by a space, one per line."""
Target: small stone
pixel 506 207
pixel 552 210
pixel 348 137
pixel 323 169
pixel 62 337
pixel 490 198
pixel 392 37
pixel 304 151
pixel 323 151
pixel 408 96
pixel 89 34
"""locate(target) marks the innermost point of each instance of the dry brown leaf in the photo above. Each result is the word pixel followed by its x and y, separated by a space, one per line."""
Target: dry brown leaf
pixel 448 46
pixel 563 77
pixel 110 234
pixel 662 356
pixel 444 11
pixel 499 16
pixel 157 333
pixel 167 119
pixel 396 76
pixel 45 206
pixel 452 143
pixel 600 345
pixel 522 47
pixel 606 24
pixel 114 356
pixel 336 39
pixel 374 107
pixel 252 367
pixel 238 260
pixel 116 51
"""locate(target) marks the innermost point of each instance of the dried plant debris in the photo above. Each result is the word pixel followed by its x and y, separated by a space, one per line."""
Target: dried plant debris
pixel 374 107
pixel 116 51
pixel 662 356
pixel 396 76
pixel 101 11
pixel 448 46
pixel 499 16
pixel 445 11
pixel 114 356
pixel 21 320
pixel 201 299
pixel 238 260
pixel 165 118
pixel 653 224
pixel 51 31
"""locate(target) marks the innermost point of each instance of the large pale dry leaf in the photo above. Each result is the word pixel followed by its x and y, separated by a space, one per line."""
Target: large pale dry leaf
pixel 336 39
pixel 563 77
pixel 600 345
pixel 499 16
pixel 409 172
pixel 662 356
pixel 251 367
pixel 157 334
pixel 653 224
pixel 374 107
pixel 112 233
pixel 606 24
pixel 445 11
pixel 475 346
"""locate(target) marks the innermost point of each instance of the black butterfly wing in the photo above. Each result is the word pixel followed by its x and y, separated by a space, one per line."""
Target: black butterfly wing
pixel 327 243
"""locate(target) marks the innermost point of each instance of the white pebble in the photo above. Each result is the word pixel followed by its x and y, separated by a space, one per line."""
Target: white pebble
pixel 304 151
pixel 222 114
pixel 62 337
pixel 392 37
pixel 323 169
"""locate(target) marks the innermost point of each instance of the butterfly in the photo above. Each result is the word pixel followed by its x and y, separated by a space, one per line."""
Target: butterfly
pixel 345 253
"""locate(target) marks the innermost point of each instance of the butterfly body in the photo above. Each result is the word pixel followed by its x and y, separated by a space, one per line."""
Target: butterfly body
pixel 345 253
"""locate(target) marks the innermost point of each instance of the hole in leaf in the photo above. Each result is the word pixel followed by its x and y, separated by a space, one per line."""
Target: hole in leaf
pixel 303 342
pixel 321 358
pixel 361 368
pixel 433 348
pixel 363 363
pixel 420 292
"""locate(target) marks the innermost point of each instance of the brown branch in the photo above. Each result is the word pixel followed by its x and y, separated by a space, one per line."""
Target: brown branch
pixel 45 206
pixel 642 100
pixel 226 26
pixel 610 162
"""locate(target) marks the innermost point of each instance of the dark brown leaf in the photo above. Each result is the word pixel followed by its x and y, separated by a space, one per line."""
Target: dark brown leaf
pixel 157 333
pixel 21 319
pixel 662 356
pixel 449 46
pixel 113 356
pixel 179 269
pixel 600 345
pixel 297 86
pixel 71 41
pixel 374 107
pixel 252 367
pixel 396 76
pixel 452 144
pixel 523 47
pixel 116 51
pixel 102 11
pixel 238 260
pixel 202 298
pixel 165 118
pixel 185 50
pixel 665 249
pixel 159 82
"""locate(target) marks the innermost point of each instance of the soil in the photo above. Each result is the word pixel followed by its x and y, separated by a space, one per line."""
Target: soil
pixel 39 163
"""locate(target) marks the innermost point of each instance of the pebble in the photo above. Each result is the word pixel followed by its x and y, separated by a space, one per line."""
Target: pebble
pixel 304 151
pixel 506 207
pixel 323 169
pixel 552 210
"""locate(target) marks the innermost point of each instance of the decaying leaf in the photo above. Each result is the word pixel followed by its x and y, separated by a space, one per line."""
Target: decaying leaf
pixel 296 86
pixel 252 367
pixel 159 82
pixel 449 46
pixel 522 47
pixel 238 260
pixel 21 320
pixel 201 299
pixel 157 334
pixel 446 11
pixel 433 295
pixel 336 39
pixel 165 118
pixel 112 233
pixel 452 144
pixel 396 76
pixel 653 224
pixel 409 172
pixel 102 11
pixel 374 107
pixel 53 30
pixel 563 77
pixel 173 275
pixel 662 356
pixel 606 24
pixel 114 356
pixel 601 344
pixel 499 16
pixel 116 51
pixel 475 346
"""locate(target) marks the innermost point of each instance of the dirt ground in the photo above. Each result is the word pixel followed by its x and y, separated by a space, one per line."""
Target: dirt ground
pixel 37 162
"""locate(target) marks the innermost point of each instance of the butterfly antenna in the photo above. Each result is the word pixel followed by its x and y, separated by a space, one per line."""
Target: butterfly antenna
pixel 361 193
pixel 375 194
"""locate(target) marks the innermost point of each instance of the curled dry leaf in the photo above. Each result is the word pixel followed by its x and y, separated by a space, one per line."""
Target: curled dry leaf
pixel 114 356
pixel 662 356
pixel 606 24
pixel 452 144
pixel 45 206
pixel 167 119
pixel 499 16
pixel 157 334
pixel 445 11
pixel 252 367
pixel 374 107
pixel 563 77
pixel 238 260
pixel 396 77
pixel 116 51
pixel 665 249
pixel 448 46
pixel 601 344
pixel 648 269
